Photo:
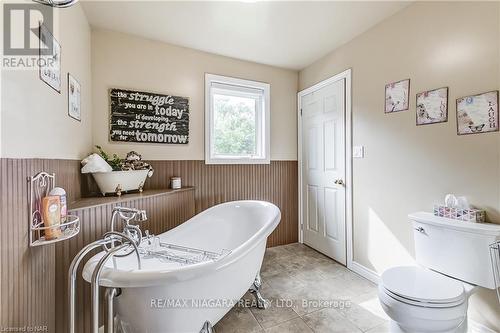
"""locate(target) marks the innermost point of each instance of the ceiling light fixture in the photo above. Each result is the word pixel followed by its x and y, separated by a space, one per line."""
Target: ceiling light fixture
pixel 57 3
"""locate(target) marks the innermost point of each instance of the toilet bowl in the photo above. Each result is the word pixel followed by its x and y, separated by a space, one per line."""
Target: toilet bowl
pixel 453 259
pixel 419 300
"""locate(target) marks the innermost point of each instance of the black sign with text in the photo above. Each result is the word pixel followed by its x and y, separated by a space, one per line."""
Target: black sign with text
pixel 148 117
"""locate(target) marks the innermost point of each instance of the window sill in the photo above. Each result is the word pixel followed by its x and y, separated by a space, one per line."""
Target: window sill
pixel 237 161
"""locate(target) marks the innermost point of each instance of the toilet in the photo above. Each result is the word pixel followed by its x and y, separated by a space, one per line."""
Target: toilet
pixel 453 261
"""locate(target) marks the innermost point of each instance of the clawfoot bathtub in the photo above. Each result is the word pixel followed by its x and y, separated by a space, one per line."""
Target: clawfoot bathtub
pixel 171 297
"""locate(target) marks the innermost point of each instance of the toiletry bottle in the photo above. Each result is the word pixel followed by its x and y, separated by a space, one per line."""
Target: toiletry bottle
pixel 51 212
pixel 61 193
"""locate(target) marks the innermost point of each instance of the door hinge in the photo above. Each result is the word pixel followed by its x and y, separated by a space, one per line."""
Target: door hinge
pixel 301 112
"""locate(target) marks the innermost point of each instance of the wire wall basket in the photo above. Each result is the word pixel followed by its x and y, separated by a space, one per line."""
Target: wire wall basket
pixel 39 187
pixel 495 262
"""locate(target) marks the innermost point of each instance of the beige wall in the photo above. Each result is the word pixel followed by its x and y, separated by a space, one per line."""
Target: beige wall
pixel 125 61
pixel 35 121
pixel 409 168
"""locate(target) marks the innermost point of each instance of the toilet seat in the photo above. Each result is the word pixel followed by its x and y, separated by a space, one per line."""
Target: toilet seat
pixel 422 287
pixel 420 303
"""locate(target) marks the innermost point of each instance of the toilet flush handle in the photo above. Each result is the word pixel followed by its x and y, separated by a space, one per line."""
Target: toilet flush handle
pixel 420 229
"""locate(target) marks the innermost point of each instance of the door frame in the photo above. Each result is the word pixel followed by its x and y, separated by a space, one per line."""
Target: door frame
pixel 348 156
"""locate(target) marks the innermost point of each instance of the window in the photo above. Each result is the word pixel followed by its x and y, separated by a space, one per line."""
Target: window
pixel 237 121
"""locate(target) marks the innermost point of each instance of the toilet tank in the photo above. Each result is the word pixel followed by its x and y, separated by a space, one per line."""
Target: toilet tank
pixel 455 248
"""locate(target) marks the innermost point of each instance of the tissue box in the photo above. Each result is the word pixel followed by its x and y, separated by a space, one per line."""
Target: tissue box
pixel 469 215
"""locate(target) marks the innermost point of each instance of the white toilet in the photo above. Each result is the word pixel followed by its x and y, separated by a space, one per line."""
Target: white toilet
pixel 454 258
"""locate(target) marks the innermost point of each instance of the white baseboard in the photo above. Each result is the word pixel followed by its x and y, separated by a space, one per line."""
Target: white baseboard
pixel 364 272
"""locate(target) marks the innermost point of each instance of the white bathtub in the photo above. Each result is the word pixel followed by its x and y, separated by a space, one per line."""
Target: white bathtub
pixel 199 292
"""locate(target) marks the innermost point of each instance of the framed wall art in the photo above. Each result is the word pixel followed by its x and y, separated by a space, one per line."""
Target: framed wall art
pixel 477 113
pixel 432 106
pixel 396 96
pixel 74 98
pixel 49 59
pixel 146 117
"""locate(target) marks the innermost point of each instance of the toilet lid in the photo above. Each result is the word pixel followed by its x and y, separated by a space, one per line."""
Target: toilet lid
pixel 422 285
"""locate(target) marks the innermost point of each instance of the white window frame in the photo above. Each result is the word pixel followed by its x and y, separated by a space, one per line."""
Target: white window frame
pixel 263 115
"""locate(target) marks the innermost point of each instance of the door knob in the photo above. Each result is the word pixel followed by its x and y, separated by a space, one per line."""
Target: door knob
pixel 339 182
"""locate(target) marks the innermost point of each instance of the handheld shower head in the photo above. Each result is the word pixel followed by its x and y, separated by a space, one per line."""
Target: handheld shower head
pixel 127 215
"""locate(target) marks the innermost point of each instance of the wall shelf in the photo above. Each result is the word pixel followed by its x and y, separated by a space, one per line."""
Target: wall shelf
pixel 92 202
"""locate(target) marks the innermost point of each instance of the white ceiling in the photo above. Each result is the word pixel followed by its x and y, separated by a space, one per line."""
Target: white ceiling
pixel 284 34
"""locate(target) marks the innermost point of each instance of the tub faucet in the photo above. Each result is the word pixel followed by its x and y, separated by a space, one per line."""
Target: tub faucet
pixel 127 215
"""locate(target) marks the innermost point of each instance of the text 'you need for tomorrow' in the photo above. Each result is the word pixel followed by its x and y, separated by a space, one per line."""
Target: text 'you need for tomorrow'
pixel 148 117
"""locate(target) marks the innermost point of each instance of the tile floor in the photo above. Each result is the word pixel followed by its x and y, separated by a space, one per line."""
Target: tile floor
pixel 341 301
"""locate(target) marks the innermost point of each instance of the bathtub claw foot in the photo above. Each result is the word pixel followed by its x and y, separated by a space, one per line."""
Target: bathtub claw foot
pixel 207 328
pixel 260 301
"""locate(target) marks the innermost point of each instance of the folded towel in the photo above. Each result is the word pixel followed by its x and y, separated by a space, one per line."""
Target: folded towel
pixel 95 163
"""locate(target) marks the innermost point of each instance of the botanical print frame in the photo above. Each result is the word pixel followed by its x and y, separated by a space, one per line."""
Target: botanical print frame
pixel 432 106
pixel 478 113
pixel 74 98
pixel 49 59
pixel 397 96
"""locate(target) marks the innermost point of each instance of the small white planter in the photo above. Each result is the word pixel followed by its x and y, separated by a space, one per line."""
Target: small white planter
pixel 121 181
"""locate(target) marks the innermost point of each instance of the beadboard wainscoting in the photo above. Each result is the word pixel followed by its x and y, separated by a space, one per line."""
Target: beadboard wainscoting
pixel 166 209
pixel 214 184
pixel 33 290
pixel 27 285
pixel 276 182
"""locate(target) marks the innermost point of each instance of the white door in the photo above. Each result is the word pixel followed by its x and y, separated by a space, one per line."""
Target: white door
pixel 323 170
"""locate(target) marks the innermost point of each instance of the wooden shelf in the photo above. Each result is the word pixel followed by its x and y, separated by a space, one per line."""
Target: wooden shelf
pixel 85 203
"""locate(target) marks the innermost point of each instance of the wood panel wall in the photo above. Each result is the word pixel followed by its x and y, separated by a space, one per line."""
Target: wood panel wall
pixel 276 182
pixel 165 212
pixel 27 288
pixel 33 281
pixel 33 285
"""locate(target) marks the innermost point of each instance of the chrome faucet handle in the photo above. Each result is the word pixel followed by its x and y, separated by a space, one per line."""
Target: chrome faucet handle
pixel 420 229
pixel 141 216
pixel 134 232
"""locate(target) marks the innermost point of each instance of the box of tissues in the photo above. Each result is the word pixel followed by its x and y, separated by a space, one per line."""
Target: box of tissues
pixel 459 209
